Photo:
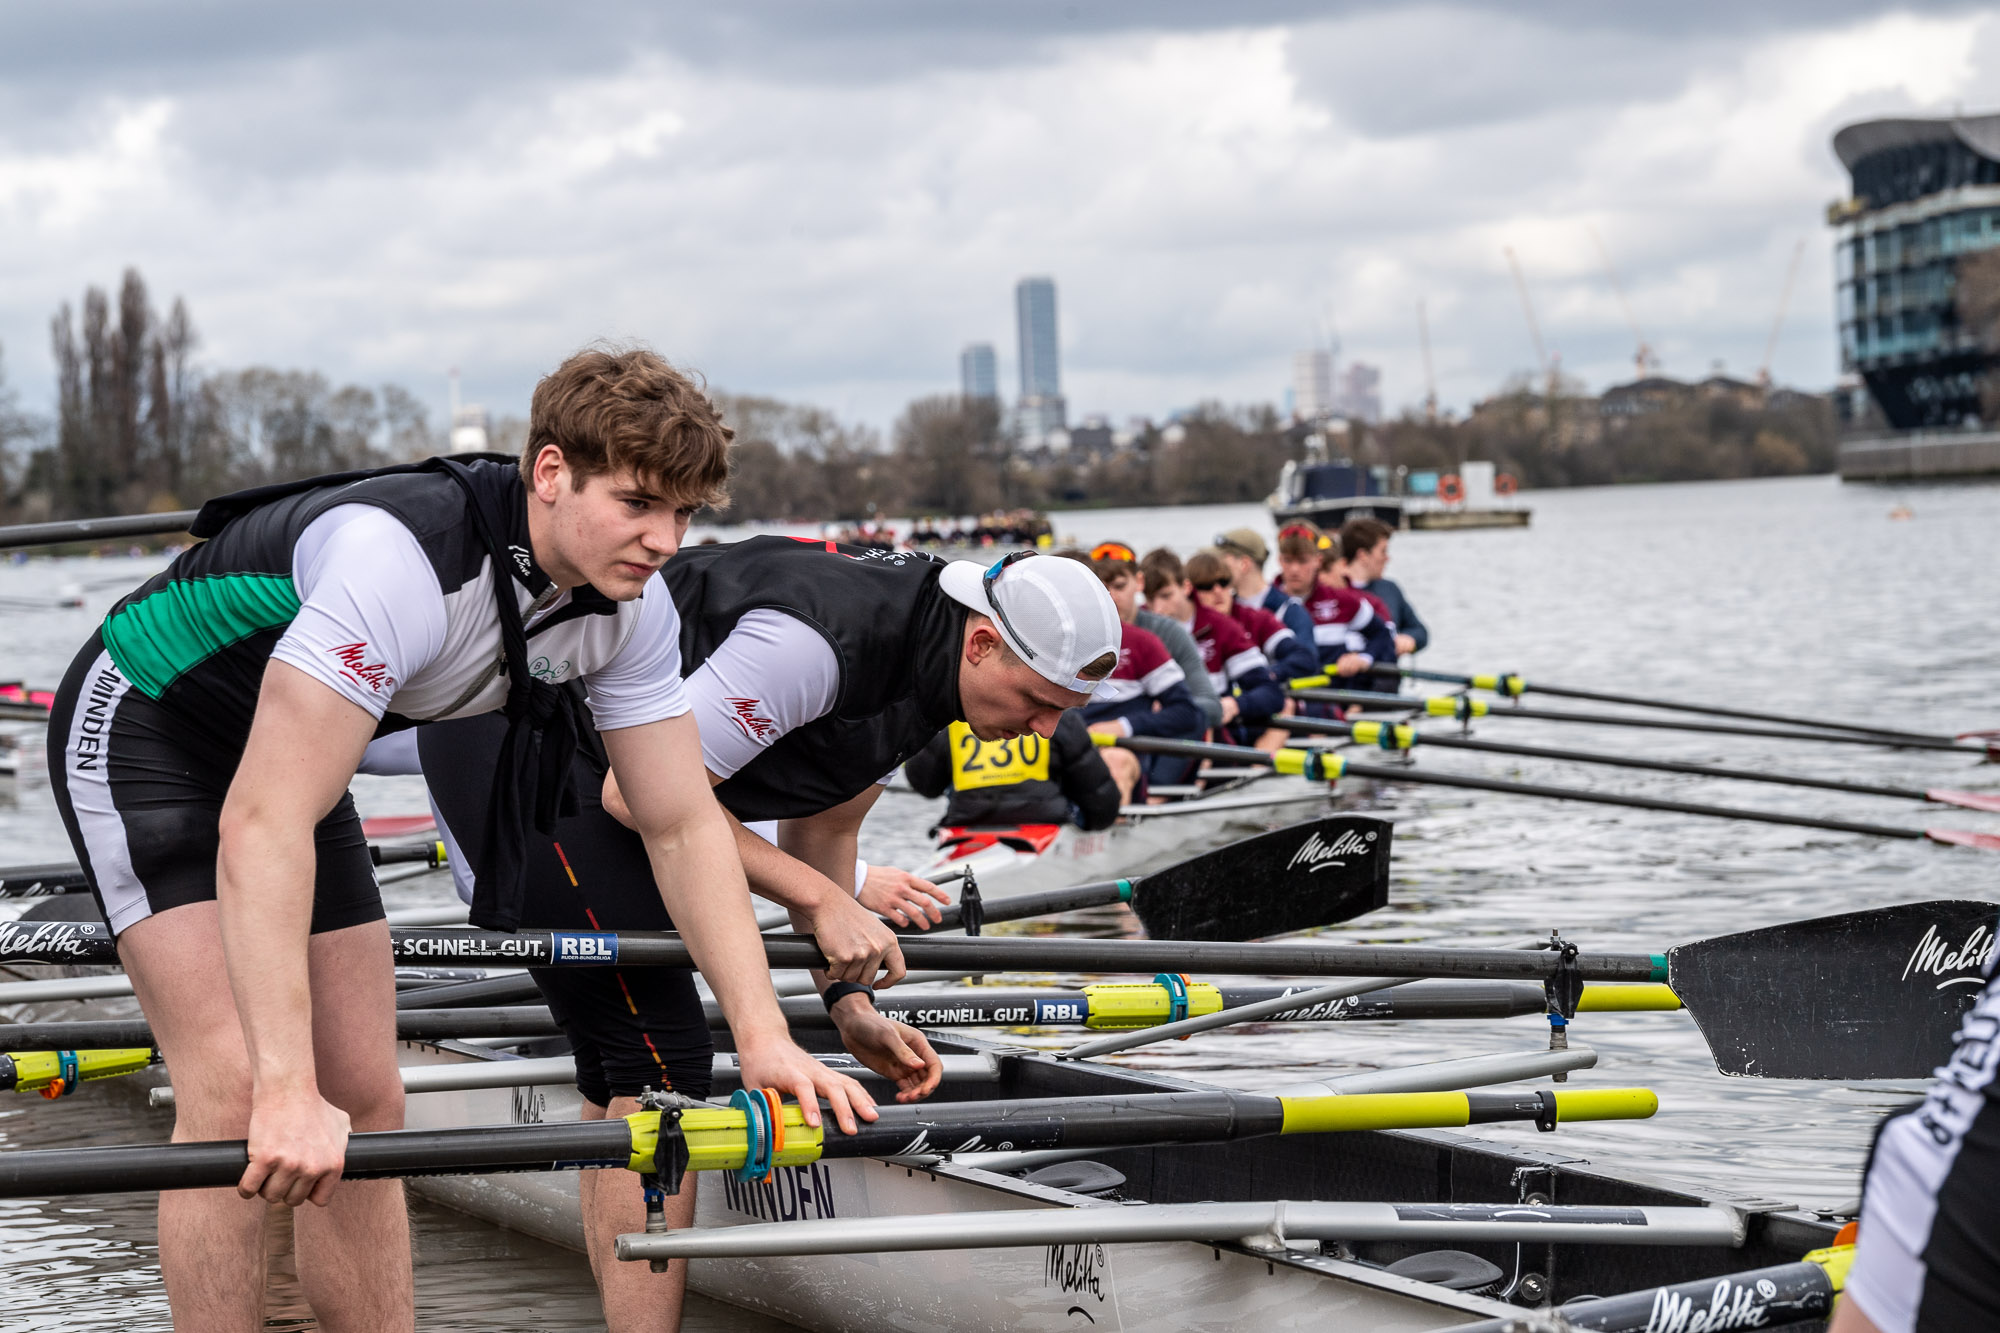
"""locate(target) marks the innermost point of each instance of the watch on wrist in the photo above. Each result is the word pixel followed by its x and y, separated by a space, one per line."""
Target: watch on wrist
pixel 840 990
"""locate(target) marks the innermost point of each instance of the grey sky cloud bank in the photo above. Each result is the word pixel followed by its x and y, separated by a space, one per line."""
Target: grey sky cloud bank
pixel 823 201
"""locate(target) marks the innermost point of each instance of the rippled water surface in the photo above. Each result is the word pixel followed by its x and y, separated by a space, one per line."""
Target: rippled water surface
pixel 1789 596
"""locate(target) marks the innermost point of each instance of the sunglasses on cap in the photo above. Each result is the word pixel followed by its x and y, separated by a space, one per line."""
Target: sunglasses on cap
pixel 1114 551
pixel 1319 539
pixel 986 584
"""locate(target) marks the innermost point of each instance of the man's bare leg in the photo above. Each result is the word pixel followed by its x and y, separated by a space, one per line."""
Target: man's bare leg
pixel 211 1241
pixel 636 1299
pixel 354 1254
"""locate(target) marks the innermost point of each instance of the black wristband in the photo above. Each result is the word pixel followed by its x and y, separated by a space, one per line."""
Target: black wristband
pixel 840 990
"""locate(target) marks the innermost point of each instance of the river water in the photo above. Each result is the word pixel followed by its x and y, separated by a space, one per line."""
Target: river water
pixel 1793 595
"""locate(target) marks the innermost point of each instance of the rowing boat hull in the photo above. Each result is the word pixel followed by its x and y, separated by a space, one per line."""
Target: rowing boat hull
pixel 1147 838
pixel 1153 1286
pixel 1165 1286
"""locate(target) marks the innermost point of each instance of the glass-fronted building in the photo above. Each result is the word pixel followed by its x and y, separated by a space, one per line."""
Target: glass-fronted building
pixel 1041 409
pixel 1925 194
pixel 978 371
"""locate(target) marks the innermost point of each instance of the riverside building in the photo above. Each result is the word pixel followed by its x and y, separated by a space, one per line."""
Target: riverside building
pixel 1925 194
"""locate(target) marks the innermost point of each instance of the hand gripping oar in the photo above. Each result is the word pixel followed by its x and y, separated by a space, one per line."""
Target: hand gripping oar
pixel 1513 686
pixel 745 1139
pixel 1271 884
pixel 1874 994
pixel 1325 766
pixel 1782 1296
pixel 1401 737
pixel 1464 707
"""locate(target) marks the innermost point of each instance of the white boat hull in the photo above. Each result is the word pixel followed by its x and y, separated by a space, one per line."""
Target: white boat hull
pixel 1172 1285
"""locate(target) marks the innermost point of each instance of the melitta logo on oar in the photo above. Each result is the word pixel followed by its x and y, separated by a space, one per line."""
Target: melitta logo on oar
pixel 1934 958
pixel 1319 854
pixel 1729 1306
pixel 54 941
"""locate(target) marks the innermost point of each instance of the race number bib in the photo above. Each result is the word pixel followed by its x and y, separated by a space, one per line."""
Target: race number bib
pixel 976 763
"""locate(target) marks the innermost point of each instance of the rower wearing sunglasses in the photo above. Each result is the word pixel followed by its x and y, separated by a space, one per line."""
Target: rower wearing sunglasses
pixel 1235 665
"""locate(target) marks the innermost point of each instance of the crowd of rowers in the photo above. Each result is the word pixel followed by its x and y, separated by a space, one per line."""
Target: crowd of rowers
pixel 1208 647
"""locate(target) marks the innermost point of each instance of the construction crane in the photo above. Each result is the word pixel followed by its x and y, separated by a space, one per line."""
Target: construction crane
pixel 1430 375
pixel 1642 357
pixel 1547 366
pixel 1778 324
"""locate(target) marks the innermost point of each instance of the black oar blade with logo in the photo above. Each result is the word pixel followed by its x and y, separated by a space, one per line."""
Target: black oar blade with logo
pixel 1318 873
pixel 1873 994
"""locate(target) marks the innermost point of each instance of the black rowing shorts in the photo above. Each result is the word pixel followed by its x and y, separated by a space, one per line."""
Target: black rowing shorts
pixel 631 1028
pixel 141 793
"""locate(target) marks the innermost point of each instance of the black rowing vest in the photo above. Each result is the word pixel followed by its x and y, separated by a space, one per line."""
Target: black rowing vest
pixel 895 635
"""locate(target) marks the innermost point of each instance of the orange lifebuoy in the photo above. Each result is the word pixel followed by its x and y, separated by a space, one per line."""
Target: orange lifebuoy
pixel 1503 484
pixel 1450 489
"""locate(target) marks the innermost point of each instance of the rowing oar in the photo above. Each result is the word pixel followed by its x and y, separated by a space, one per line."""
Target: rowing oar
pixel 1270 884
pixel 57 1073
pixel 746 1137
pixel 1463 708
pixel 1270 1227
pixel 1323 765
pixel 1782 1296
pixel 67 876
pixel 1513 686
pixel 1110 1007
pixel 95 529
pixel 1401 737
pixel 1886 986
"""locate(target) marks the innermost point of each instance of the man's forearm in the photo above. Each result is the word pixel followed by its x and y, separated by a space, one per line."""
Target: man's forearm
pixel 701 884
pixel 784 880
pixel 264 896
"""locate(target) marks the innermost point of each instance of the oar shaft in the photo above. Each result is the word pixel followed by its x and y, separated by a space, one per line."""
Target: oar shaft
pixel 1629 802
pixel 1414 703
pixel 1020 907
pixel 95 529
pixel 1498 684
pixel 1314 726
pixel 91 943
pixel 717 1138
pixel 1333 766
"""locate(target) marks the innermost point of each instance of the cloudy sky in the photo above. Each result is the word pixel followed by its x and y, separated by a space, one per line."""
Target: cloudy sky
pixel 824 201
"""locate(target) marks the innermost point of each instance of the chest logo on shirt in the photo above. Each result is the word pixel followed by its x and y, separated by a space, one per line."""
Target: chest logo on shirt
pixel 542 669
pixel 744 714
pixel 354 665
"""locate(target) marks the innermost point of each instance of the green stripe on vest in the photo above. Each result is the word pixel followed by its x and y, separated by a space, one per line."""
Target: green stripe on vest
pixel 157 639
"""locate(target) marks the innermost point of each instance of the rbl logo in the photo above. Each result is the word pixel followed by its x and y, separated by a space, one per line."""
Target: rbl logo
pixel 1058 1011
pixel 586 948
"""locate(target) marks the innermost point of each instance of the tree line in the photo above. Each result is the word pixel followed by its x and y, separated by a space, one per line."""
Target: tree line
pixel 139 425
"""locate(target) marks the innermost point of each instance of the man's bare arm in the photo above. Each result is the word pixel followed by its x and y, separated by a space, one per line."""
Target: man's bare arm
pixel 857 945
pixel 701 882
pixel 305 743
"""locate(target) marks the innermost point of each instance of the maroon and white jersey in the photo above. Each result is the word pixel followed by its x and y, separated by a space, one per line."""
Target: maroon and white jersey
pixel 1340 618
pixel 1265 630
pixel 1227 650
pixel 1145 670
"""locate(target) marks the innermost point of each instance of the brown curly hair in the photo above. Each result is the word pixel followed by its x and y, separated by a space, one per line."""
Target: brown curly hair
pixel 627 409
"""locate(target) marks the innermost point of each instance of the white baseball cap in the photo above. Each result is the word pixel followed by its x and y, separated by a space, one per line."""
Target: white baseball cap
pixel 1054 613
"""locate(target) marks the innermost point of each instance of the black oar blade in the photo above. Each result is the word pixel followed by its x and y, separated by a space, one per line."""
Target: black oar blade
pixel 1873 994
pixel 1317 873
